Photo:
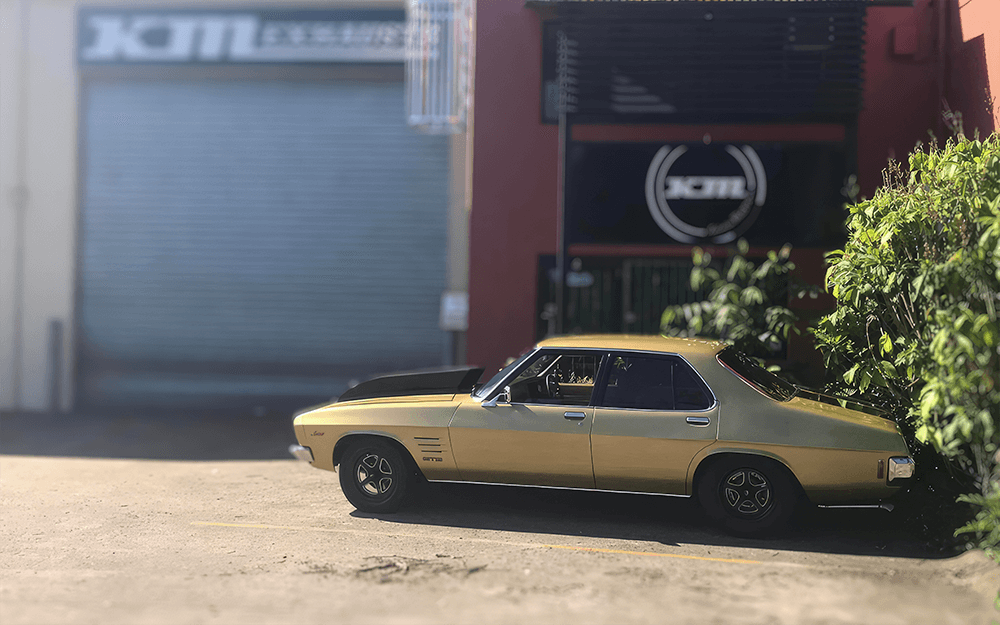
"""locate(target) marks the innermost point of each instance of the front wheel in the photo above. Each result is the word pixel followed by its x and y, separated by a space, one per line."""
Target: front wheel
pixel 747 496
pixel 374 476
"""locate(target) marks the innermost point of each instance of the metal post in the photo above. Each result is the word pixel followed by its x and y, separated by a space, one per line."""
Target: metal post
pixel 55 365
pixel 626 294
pixel 561 226
pixel 563 62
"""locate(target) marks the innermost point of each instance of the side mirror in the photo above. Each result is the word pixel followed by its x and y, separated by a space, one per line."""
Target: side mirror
pixel 503 397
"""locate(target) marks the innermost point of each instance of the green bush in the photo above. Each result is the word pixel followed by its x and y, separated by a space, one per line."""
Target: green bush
pixel 917 287
pixel 746 305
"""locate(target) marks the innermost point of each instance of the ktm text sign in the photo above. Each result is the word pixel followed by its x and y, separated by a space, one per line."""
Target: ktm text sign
pixel 112 37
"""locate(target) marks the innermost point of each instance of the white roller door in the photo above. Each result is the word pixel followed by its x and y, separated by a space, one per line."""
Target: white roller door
pixel 247 241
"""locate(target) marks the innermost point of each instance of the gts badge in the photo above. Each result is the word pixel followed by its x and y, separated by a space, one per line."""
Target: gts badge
pixel 431 459
pixel 317 433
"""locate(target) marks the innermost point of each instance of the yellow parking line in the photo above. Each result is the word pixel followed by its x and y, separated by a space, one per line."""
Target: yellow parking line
pixel 289 527
pixel 652 553
pixel 263 527
pixel 476 540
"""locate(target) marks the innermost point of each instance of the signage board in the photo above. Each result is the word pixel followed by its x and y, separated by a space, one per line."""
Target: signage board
pixel 454 315
pixel 692 193
pixel 157 36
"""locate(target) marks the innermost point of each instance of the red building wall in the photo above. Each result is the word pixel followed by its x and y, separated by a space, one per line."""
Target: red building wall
pixel 514 175
pixel 915 58
pixel 973 77
pixel 901 95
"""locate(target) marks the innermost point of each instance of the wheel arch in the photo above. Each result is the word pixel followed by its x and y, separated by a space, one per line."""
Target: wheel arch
pixel 723 454
pixel 348 439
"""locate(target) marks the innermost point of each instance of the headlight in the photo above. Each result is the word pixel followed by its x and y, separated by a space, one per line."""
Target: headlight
pixel 901 468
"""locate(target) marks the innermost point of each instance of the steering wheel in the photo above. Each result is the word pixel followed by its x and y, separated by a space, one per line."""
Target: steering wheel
pixel 552 386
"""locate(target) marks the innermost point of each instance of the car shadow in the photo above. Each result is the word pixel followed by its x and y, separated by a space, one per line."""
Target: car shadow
pixel 238 436
pixel 669 521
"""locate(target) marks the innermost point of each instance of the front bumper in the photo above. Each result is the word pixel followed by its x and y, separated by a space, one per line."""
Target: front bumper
pixel 300 452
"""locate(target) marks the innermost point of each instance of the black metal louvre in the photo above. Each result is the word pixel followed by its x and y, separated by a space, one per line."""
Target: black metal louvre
pixel 716 62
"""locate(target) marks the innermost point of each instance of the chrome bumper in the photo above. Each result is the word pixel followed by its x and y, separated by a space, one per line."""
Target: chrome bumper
pixel 300 452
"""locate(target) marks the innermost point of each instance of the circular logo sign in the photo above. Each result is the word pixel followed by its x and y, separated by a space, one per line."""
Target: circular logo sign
pixel 705 194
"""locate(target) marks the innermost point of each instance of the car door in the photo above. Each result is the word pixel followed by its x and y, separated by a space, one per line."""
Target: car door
pixel 654 414
pixel 540 433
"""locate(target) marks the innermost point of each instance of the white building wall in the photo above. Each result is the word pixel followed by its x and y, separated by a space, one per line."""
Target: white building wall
pixel 37 139
pixel 49 162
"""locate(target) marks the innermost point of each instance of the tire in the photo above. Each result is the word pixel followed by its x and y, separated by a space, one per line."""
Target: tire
pixel 374 476
pixel 748 496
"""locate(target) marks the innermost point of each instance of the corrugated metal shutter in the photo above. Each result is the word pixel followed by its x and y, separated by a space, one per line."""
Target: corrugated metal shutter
pixel 242 241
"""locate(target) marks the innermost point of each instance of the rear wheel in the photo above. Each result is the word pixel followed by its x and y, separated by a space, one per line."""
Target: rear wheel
pixel 748 496
pixel 374 476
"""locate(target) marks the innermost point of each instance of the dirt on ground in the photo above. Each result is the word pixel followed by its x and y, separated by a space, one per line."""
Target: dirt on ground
pixel 116 540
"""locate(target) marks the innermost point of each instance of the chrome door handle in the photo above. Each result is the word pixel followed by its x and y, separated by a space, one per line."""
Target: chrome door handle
pixel 699 421
pixel 575 416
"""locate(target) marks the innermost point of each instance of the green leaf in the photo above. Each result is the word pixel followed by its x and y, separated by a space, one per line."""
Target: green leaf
pixel 751 295
pixel 864 379
pixel 923 434
pixel 885 344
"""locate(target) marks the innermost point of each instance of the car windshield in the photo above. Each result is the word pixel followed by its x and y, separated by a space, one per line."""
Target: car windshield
pixel 755 375
pixel 485 388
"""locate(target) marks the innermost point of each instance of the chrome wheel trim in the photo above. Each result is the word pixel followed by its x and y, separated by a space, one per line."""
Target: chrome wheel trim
pixel 374 475
pixel 747 493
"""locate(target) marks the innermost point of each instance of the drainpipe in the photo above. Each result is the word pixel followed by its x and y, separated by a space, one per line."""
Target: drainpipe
pixel 20 201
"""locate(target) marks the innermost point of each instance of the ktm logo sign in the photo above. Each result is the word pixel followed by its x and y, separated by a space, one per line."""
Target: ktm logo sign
pixel 706 188
pixel 170 38
pixel 693 207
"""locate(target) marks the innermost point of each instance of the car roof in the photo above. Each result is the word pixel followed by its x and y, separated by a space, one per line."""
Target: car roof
pixel 638 342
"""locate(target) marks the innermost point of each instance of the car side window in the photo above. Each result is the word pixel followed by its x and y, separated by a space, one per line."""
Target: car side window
pixel 558 379
pixel 654 383
pixel 689 390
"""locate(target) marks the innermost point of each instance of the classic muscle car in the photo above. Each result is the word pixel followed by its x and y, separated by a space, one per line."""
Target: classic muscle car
pixel 639 414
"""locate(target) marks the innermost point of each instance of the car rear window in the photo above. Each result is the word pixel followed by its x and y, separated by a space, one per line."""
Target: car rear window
pixel 756 376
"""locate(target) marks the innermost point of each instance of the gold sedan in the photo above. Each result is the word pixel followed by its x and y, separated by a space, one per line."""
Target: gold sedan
pixel 640 414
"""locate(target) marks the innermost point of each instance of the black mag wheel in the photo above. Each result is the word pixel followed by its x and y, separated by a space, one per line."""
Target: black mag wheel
pixel 374 476
pixel 747 493
pixel 748 496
